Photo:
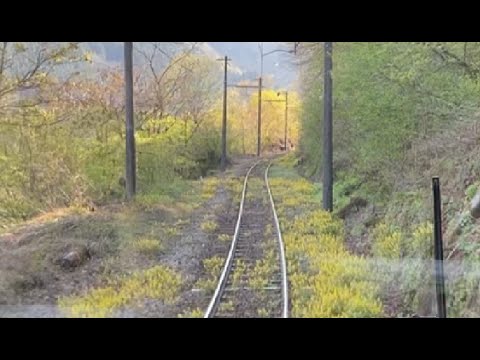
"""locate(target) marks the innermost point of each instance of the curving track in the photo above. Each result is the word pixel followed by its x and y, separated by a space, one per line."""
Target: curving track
pixel 253 282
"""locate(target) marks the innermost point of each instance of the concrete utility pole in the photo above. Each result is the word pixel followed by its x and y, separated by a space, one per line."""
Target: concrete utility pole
pixel 259 122
pixel 130 168
pixel 286 119
pixel 327 131
pixel 223 161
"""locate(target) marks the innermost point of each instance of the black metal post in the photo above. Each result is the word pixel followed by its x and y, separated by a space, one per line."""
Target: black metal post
pixel 439 275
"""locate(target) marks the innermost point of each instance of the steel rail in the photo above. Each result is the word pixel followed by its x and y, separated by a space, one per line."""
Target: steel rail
pixel 283 261
pixel 214 302
pixel 229 262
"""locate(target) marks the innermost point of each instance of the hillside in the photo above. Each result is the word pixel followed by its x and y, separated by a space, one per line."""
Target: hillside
pixel 403 113
pixel 245 56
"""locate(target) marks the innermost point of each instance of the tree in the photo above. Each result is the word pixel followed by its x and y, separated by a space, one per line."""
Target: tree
pixel 163 74
pixel 387 97
pixel 28 68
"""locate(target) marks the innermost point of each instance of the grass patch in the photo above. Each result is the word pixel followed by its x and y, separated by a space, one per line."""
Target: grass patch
pixel 171 231
pixel 158 282
pixel 471 191
pixel 209 226
pixel 147 246
pixel 226 306
pixel 224 237
pixel 195 313
pixel 262 271
pixel 209 188
pixel 212 268
pixel 325 279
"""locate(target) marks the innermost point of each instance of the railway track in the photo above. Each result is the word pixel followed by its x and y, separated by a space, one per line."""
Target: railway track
pixel 253 281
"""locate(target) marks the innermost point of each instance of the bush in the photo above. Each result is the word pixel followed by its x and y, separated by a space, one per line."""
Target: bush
pixel 421 243
pixel 387 243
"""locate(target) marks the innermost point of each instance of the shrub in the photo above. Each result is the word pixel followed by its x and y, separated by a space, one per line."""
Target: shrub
pixel 421 243
pixel 386 242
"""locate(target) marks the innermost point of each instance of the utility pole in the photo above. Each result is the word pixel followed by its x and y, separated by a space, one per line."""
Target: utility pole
pixel 286 120
pixel 130 167
pixel 327 130
pixel 223 161
pixel 259 122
